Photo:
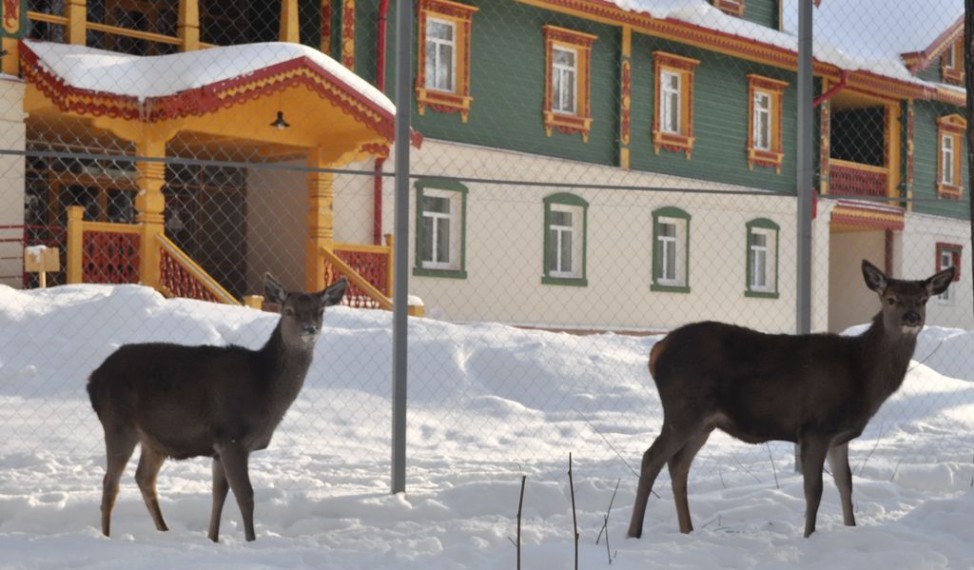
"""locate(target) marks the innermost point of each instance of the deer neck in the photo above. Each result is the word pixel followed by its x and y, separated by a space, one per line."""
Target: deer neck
pixel 887 354
pixel 286 364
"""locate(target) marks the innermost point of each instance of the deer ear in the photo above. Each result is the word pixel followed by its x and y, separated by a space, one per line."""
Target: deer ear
pixel 273 290
pixel 875 279
pixel 334 293
pixel 939 282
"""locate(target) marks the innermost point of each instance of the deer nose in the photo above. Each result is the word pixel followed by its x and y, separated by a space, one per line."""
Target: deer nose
pixel 911 319
pixel 310 329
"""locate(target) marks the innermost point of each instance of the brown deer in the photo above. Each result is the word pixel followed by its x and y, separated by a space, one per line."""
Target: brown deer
pixel 816 390
pixel 216 401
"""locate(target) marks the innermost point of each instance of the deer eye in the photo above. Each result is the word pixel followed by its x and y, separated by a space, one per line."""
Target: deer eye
pixel 890 301
pixel 289 311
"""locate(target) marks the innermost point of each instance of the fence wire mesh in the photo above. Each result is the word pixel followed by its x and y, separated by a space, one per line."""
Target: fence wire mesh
pixel 586 181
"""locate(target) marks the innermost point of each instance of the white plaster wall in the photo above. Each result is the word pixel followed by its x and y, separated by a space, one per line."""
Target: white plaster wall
pixel 851 302
pixel 277 216
pixel 276 212
pixel 354 203
pixel 12 137
pixel 920 238
pixel 505 236
pixel 821 271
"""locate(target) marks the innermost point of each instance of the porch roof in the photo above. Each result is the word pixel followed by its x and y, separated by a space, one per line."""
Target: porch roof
pixel 185 91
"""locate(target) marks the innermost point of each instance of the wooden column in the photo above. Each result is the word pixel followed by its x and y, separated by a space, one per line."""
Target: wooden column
pixel 75 239
pixel 189 25
pixel 11 61
pixel 320 220
pixel 150 205
pixel 289 22
pixel 77 13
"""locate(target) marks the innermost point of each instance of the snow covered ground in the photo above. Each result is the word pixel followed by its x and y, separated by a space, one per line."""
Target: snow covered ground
pixel 488 405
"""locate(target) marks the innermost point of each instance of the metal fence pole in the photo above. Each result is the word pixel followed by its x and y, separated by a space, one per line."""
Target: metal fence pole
pixel 404 41
pixel 805 179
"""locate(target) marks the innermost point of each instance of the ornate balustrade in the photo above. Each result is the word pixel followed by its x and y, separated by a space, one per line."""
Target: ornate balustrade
pixel 853 179
pixel 180 276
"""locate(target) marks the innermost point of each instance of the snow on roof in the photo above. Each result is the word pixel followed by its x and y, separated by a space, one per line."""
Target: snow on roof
pixel 878 29
pixel 146 77
pixel 853 35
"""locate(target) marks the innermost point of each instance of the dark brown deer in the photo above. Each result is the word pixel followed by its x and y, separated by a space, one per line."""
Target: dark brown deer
pixel 216 401
pixel 817 390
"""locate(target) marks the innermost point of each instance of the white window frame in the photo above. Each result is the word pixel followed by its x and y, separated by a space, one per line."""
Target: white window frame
pixel 766 251
pixel 434 45
pixel 946 261
pixel 947 157
pixel 950 56
pixel 668 94
pixel 763 120
pixel 671 245
pixel 564 82
pixel 557 233
pixel 453 222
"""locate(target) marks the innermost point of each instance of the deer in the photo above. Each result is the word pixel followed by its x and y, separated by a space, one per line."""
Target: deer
pixel 815 390
pixel 223 402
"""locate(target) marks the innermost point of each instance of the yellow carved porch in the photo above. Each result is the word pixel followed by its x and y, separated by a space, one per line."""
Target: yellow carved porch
pixel 333 120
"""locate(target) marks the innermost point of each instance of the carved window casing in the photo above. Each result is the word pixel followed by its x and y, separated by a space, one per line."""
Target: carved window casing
pixel 950 145
pixel 568 71
pixel 673 103
pixel 952 63
pixel 732 7
pixel 949 255
pixel 765 98
pixel 443 76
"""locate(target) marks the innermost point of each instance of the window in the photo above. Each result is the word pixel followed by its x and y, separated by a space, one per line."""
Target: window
pixel 951 68
pixel 564 240
pixel 440 48
pixel 673 102
pixel 440 229
pixel 567 106
pixel 732 7
pixel 764 137
pixel 669 100
pixel 443 73
pixel 949 255
pixel 564 83
pixel 762 259
pixel 950 133
pixel 671 254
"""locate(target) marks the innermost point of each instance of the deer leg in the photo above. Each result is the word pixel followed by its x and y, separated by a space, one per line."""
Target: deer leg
pixel 234 459
pixel 666 444
pixel 150 462
pixel 813 451
pixel 120 442
pixel 220 488
pixel 839 460
pixel 679 466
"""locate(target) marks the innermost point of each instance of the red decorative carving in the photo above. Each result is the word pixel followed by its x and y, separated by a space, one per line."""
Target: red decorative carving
pixel 373 266
pixel 825 137
pixel 850 181
pixel 909 148
pixel 209 98
pixel 326 27
pixel 348 33
pixel 110 257
pixel 625 127
pixel 181 283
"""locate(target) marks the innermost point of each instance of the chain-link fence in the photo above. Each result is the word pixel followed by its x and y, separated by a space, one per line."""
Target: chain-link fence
pixel 584 177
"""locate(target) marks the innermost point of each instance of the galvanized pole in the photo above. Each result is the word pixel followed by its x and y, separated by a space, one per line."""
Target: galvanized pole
pixel 805 172
pixel 805 179
pixel 400 306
